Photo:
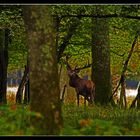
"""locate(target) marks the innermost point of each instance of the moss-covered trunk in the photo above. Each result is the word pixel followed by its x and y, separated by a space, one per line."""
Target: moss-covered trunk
pixel 101 57
pixel 44 85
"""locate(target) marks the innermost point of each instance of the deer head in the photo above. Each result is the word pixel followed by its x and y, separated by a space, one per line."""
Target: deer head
pixel 72 72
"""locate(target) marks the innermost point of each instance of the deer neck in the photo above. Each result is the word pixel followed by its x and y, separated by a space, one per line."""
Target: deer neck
pixel 74 81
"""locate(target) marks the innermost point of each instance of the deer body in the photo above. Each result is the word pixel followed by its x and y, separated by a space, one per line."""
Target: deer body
pixel 83 87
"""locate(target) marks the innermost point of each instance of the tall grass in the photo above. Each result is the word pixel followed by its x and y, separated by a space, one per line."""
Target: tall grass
pixel 89 120
pixel 98 120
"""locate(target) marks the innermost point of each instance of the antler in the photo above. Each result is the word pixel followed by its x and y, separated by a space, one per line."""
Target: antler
pixel 68 56
pixel 84 67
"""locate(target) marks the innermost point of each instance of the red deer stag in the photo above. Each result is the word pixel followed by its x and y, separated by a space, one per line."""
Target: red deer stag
pixel 82 87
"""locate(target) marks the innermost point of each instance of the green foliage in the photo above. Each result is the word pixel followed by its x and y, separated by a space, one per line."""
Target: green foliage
pixel 121 34
pixel 100 127
pixel 11 18
pixel 90 121
pixel 99 120
pixel 94 127
pixel 15 120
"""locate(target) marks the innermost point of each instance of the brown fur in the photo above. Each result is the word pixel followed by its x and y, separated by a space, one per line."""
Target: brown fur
pixel 83 87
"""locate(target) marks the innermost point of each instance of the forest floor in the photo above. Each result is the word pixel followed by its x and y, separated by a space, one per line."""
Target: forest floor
pixel 77 121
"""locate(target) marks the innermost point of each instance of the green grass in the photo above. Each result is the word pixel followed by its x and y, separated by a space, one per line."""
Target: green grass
pixel 99 120
pixel 96 120
pixel 14 120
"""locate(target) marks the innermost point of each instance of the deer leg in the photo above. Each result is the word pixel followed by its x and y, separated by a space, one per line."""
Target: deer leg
pixel 78 99
pixel 77 91
pixel 91 98
pixel 84 100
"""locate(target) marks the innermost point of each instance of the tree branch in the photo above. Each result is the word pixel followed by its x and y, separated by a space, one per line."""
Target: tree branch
pixel 125 64
pixel 67 38
pixel 101 16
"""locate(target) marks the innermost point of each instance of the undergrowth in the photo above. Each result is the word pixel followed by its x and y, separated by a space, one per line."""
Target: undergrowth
pixel 100 120
pixel 89 120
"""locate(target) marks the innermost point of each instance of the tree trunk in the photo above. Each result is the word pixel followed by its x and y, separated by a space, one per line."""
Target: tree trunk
pixel 138 98
pixel 126 64
pixel 26 94
pixel 4 39
pixel 63 93
pixel 101 58
pixel 27 86
pixel 44 85
pixel 72 28
pixel 123 102
pixel 19 94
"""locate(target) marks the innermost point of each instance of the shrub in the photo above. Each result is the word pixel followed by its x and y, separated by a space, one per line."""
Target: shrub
pixel 15 120
pixel 99 120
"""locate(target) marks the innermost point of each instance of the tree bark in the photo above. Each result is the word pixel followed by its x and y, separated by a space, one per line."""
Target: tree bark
pixel 19 94
pixel 63 93
pixel 26 93
pixel 27 86
pixel 101 58
pixel 4 40
pixel 123 102
pixel 44 85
